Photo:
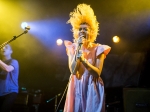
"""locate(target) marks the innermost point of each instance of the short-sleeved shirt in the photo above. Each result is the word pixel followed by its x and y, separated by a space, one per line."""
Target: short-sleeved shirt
pixel 9 80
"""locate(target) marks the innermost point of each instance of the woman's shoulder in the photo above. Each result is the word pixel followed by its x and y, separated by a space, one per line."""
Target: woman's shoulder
pixel 70 47
pixel 68 43
pixel 101 48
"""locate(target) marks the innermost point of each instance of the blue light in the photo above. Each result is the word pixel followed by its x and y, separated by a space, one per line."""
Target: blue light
pixel 48 31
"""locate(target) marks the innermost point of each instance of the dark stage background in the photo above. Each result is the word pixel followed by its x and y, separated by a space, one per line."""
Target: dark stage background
pixel 43 64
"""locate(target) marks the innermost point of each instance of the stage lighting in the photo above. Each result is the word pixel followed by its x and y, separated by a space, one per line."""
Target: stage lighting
pixel 59 42
pixel 24 24
pixel 116 39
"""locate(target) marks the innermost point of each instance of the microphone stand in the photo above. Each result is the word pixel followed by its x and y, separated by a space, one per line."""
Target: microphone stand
pixel 55 103
pixel 7 42
pixel 55 97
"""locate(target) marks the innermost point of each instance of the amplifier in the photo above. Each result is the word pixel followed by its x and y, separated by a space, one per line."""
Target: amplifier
pixel 136 100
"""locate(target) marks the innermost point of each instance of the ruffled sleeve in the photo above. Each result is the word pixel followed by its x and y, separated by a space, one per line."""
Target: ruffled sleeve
pixel 70 47
pixel 103 49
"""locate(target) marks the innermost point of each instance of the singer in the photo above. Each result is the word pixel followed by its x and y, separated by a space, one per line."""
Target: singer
pixel 86 89
pixel 9 71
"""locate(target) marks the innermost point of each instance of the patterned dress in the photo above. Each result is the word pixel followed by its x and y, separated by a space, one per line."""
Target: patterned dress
pixel 86 92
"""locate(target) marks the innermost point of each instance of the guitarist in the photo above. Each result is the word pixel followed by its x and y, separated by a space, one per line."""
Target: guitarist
pixel 9 72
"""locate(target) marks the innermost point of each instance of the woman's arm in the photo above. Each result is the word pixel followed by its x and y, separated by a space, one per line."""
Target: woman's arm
pixel 73 63
pixel 97 69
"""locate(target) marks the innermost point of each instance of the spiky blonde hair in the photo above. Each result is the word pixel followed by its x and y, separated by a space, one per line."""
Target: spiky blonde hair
pixel 84 14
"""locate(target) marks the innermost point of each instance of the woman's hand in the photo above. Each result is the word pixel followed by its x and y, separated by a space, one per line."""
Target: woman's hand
pixel 81 40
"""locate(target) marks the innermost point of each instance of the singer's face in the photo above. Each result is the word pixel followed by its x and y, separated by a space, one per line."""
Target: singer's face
pixel 84 30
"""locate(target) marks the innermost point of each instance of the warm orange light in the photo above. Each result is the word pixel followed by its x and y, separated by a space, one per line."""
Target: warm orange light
pixel 116 39
pixel 59 42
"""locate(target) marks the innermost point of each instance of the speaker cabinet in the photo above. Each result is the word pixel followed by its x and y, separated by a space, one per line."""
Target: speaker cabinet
pixel 22 99
pixel 21 103
pixel 136 99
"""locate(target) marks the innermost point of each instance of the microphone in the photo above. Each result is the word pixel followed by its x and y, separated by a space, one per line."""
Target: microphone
pixel 81 39
pixel 80 44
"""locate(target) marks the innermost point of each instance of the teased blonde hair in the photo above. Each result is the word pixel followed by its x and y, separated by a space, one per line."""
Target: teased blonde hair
pixel 84 14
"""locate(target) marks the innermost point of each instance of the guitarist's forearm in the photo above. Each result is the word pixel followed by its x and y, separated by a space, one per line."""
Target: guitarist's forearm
pixel 7 68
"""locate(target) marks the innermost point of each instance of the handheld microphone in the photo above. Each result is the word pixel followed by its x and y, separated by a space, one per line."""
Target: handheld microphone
pixel 81 39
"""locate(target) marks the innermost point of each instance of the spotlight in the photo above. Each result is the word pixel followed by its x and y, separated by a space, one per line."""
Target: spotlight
pixel 59 42
pixel 24 24
pixel 116 39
